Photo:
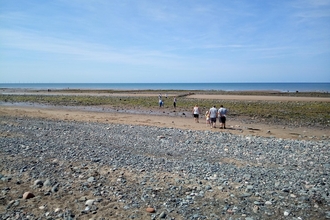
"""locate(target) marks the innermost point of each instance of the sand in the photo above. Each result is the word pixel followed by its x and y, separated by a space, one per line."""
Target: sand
pixel 193 96
pixel 164 119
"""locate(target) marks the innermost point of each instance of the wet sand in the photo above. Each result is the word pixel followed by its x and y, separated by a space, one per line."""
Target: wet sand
pixel 164 117
pixel 193 96
pixel 261 98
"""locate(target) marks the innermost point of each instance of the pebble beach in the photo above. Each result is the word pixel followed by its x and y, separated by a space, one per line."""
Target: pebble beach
pixel 55 169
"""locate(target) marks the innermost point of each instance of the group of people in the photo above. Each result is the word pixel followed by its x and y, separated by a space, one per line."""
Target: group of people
pixel 161 102
pixel 212 115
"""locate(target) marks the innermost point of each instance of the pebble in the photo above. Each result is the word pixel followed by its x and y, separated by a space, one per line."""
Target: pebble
pixel 28 195
pixel 162 215
pixel 89 202
pixel 38 183
pixel 47 183
pixel 91 179
pixel 184 174
pixel 268 203
pixel 55 188
pixel 82 199
pixel 150 210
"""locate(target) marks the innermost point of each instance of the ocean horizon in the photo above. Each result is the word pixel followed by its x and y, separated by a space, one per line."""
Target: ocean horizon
pixel 282 87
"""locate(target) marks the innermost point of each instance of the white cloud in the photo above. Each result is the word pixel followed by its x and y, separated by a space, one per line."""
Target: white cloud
pixel 183 36
pixel 76 50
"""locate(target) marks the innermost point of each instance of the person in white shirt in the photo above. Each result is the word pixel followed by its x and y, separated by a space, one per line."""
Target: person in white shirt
pixel 196 113
pixel 213 116
pixel 222 117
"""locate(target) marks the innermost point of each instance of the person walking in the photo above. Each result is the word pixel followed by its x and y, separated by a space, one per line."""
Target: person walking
pixel 196 113
pixel 174 102
pixel 222 117
pixel 207 117
pixel 213 116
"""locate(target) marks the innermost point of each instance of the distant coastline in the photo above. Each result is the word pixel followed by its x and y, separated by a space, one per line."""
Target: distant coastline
pixel 282 87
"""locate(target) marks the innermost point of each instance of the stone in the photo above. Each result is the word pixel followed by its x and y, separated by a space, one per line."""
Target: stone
pixel 55 188
pixel 247 176
pixel 246 195
pixel 10 204
pixel 89 202
pixel 47 183
pixel 28 195
pixel 82 199
pixel 150 210
pixel 162 215
pixel 255 209
pixel 293 196
pixel 230 211
pixel 91 179
pixel 249 187
pixel 268 203
pixel 173 175
pixel 38 183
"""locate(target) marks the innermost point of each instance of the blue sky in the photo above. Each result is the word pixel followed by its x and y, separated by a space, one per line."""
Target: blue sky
pixel 101 41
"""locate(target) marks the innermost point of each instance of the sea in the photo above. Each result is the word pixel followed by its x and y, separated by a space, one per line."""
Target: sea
pixel 282 87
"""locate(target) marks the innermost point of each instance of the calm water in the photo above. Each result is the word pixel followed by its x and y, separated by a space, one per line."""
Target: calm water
pixel 284 87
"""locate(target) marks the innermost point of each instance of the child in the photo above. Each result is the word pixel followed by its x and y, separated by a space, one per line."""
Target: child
pixel 207 116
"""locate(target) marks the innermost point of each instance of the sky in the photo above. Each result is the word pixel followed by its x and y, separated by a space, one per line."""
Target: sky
pixel 122 41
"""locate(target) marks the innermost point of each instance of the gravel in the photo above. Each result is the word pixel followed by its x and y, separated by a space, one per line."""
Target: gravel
pixel 81 170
